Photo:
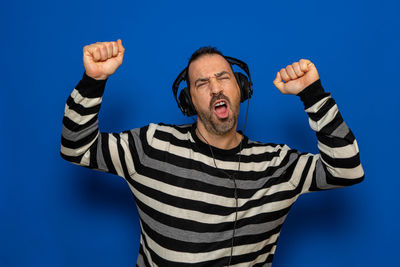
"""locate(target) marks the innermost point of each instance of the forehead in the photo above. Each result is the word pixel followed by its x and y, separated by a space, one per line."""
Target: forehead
pixel 208 65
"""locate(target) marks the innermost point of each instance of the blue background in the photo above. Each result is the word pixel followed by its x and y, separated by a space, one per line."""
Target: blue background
pixel 54 213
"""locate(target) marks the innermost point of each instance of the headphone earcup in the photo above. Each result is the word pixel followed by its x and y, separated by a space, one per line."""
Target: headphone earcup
pixel 244 85
pixel 186 103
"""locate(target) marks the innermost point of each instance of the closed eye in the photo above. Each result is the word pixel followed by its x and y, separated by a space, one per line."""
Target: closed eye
pixel 223 75
pixel 201 84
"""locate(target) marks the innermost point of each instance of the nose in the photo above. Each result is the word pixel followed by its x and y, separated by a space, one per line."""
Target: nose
pixel 215 86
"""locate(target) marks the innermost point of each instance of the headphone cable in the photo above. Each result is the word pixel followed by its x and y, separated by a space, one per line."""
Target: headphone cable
pixel 233 178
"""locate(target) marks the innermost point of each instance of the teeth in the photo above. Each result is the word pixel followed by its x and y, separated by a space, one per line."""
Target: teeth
pixel 220 103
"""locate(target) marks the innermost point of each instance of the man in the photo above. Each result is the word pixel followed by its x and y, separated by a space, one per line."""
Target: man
pixel 206 194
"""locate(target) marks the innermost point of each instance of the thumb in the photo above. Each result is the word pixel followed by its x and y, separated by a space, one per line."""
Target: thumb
pixel 278 82
pixel 121 49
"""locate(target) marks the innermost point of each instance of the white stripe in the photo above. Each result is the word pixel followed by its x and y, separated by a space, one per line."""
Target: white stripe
pixel 76 117
pixel 85 101
pixel 339 152
pixel 144 246
pixel 78 151
pixel 186 257
pixel 245 249
pixel 261 258
pixel 85 161
pixel 327 118
pixel 268 191
pixel 171 130
pixel 257 150
pixel 202 217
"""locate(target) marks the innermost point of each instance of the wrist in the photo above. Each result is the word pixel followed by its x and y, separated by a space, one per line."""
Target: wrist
pixel 91 87
pixel 97 78
pixel 312 94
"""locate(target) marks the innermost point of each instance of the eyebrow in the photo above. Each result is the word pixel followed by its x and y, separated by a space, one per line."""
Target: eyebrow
pixel 219 74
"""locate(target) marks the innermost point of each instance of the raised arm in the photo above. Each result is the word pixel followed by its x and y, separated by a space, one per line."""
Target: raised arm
pixel 338 163
pixel 81 141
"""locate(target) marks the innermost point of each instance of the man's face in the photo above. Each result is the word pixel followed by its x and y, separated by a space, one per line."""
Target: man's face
pixel 215 93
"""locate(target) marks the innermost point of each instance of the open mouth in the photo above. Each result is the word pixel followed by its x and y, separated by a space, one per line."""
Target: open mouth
pixel 221 109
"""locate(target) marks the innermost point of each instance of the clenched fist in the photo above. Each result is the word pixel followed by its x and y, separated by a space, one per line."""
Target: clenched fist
pixel 296 77
pixel 102 59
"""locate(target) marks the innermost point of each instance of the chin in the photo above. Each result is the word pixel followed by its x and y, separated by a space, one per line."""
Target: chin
pixel 221 127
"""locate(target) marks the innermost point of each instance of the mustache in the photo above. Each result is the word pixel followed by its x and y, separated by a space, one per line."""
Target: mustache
pixel 218 97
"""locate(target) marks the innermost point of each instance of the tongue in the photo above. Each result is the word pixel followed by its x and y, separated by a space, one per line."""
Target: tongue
pixel 221 111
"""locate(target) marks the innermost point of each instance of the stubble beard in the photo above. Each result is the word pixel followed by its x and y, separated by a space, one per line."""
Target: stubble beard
pixel 218 126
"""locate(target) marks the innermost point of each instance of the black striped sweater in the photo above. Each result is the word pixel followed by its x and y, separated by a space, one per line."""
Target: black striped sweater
pixel 187 206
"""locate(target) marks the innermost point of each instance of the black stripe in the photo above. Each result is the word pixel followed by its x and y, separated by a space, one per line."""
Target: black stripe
pixel 346 163
pixel 106 153
pixel 74 159
pixel 332 125
pixel 312 94
pixel 333 142
pixel 121 154
pixel 91 88
pixel 303 176
pixel 332 180
pixel 263 217
pixel 322 111
pixel 81 110
pixel 70 125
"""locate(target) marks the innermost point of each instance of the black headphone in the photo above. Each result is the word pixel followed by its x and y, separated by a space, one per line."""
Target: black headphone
pixel 185 103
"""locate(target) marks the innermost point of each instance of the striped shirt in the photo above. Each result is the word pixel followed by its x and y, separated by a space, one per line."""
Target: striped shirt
pixel 199 207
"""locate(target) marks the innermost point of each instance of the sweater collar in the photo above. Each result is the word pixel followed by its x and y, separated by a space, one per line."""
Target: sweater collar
pixel 205 148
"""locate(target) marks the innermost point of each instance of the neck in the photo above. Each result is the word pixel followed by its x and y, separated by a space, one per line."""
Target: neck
pixel 226 141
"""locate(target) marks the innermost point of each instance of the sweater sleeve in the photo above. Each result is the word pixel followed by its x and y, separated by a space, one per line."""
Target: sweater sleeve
pixel 338 163
pixel 82 143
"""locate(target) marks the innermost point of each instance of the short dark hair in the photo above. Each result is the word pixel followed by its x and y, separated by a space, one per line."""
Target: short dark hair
pixel 204 50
